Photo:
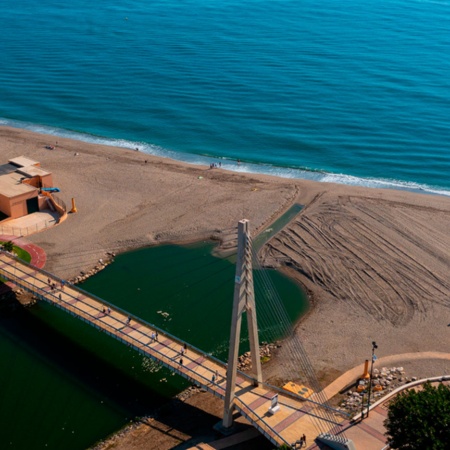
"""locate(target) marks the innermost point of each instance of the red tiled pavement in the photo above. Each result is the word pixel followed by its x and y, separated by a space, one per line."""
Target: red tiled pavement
pixel 38 256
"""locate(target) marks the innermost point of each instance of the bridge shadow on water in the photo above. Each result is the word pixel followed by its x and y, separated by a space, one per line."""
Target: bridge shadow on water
pixel 127 395
pixel 72 360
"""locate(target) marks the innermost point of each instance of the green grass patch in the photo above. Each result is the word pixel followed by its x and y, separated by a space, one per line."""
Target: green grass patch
pixel 20 253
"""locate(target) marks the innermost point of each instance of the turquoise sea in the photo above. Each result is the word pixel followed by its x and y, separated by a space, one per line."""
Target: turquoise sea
pixel 353 92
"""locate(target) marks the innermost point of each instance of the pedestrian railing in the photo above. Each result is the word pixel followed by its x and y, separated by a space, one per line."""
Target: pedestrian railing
pixel 25 231
pixel 59 202
pixel 259 423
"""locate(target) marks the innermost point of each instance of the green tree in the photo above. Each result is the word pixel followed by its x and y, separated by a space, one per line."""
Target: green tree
pixel 8 246
pixel 419 420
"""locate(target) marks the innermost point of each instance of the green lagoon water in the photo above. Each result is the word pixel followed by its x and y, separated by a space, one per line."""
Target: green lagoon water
pixel 68 385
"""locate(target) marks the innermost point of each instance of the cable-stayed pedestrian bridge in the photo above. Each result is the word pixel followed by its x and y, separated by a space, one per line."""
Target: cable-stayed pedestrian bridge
pixel 279 415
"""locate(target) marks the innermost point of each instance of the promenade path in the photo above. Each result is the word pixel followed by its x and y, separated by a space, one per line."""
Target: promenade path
pixel 295 415
pixel 352 375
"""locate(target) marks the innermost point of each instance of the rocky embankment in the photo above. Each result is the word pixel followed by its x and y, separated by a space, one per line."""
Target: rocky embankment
pixel 101 264
pixel 384 382
pixel 265 352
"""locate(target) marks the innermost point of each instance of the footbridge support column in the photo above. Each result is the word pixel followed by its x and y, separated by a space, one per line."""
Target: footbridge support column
pixel 243 302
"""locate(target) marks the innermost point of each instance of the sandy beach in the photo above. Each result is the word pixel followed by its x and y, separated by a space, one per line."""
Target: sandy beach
pixel 375 263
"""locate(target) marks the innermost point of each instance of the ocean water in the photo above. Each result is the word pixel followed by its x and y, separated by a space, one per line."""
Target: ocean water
pixel 352 92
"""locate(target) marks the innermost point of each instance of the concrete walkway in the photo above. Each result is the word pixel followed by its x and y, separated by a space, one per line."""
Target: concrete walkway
pixel 352 375
pixel 368 434
pixel 30 224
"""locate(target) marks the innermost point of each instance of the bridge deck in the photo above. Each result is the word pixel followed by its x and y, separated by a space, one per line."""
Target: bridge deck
pixel 294 417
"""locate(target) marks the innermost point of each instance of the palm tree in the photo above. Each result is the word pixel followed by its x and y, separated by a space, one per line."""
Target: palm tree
pixel 8 246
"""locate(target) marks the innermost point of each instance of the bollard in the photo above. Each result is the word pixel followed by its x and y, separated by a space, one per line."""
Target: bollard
pixel 74 208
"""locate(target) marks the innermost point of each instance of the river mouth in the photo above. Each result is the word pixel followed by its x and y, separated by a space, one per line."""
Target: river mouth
pixel 80 385
pixel 276 226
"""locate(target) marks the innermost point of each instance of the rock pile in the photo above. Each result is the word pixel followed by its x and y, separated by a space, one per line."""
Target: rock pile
pixel 12 300
pixel 97 268
pixel 384 381
pixel 265 353
pixel 189 392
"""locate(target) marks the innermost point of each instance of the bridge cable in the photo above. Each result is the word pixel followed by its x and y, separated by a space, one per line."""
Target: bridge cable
pixel 294 343
pixel 296 348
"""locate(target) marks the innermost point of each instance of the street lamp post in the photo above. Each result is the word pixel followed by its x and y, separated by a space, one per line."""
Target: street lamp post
pixel 374 346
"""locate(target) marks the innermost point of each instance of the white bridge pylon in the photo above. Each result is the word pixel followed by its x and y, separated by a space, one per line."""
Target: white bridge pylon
pixel 243 302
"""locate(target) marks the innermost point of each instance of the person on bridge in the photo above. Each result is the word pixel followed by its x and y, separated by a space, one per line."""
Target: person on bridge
pixel 181 361
pixel 128 320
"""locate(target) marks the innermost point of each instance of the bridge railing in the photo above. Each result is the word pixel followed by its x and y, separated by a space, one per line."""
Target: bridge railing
pixel 245 376
pixel 259 423
pixel 39 287
pixel 93 319
pixel 126 313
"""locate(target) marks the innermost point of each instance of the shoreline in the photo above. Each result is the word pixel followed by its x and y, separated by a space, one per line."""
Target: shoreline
pixel 229 164
pixel 375 262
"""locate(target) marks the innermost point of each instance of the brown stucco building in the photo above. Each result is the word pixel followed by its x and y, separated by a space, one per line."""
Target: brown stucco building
pixel 20 182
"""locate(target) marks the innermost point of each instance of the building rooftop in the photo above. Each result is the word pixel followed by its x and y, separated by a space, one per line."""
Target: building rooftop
pixel 23 161
pixel 11 185
pixel 32 171
pixel 7 168
pixel 15 171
